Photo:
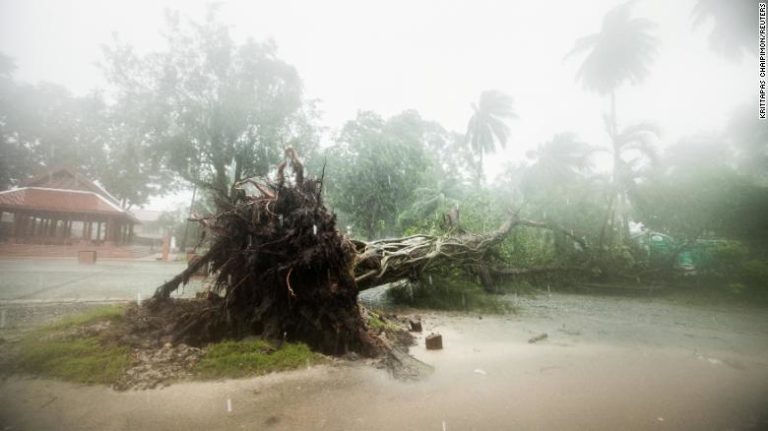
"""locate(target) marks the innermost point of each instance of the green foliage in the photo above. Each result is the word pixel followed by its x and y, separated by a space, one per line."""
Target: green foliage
pixel 211 110
pixel 375 168
pixel 377 323
pixel 529 247
pixel 695 192
pixel 248 358
pixel 618 258
pixel 730 265
pixel 450 289
pixel 754 273
pixel 44 126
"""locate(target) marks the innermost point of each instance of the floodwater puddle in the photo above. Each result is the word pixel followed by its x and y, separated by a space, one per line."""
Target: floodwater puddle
pixel 606 364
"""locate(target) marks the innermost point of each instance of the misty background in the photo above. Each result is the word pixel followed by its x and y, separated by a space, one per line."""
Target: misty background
pixel 434 57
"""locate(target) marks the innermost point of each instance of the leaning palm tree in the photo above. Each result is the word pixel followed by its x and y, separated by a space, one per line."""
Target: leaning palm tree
pixel 621 52
pixel 488 125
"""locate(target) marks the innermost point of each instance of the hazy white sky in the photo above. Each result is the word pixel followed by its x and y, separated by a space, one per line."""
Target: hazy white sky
pixel 432 56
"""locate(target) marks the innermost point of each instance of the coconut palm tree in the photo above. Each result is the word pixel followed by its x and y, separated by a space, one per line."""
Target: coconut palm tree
pixel 562 158
pixel 488 127
pixel 621 52
pixel 633 153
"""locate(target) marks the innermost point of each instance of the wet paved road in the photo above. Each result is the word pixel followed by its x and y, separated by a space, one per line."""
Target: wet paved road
pixel 66 280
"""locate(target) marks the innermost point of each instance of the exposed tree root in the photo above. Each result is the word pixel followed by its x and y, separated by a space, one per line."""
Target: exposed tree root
pixel 284 271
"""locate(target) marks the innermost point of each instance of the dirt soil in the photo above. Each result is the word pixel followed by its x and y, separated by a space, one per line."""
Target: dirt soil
pixel 607 363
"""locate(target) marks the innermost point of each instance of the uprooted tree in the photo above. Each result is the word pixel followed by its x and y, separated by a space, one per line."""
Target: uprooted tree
pixel 284 271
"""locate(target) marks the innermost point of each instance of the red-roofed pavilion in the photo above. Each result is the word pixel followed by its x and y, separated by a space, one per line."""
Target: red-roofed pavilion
pixel 63 207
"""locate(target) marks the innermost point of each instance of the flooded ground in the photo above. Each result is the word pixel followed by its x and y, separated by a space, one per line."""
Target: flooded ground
pixel 64 280
pixel 608 363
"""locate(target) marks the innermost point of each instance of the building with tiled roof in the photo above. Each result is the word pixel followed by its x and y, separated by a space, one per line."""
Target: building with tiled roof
pixel 63 207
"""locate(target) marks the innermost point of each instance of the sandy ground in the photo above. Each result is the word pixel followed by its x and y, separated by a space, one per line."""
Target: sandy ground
pixel 608 363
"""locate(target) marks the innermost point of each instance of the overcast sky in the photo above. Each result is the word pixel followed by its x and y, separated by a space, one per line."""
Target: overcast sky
pixel 432 56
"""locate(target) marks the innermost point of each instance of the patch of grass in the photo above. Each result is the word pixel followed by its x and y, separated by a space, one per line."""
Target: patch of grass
pixel 63 350
pixel 247 358
pixel 376 322
pixel 112 312
pixel 81 360
pixel 55 351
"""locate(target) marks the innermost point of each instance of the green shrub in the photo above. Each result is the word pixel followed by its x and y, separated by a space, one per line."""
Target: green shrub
pixel 754 273
pixel 450 290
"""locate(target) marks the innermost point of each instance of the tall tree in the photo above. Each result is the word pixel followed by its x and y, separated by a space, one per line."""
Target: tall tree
pixel 560 185
pixel 214 110
pixel 562 158
pixel 488 128
pixel 748 136
pixel 696 192
pixel 44 125
pixel 375 167
pixel 621 52
pixel 633 154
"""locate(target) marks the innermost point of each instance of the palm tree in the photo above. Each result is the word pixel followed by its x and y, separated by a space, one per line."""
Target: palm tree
pixel 488 125
pixel 562 158
pixel 633 153
pixel 620 52
pixel 559 177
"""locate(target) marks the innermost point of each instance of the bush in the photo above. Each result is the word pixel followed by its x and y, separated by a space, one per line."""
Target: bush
pixel 754 274
pixel 720 261
pixel 446 291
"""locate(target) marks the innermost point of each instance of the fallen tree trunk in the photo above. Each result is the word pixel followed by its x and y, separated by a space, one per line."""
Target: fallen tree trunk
pixel 388 260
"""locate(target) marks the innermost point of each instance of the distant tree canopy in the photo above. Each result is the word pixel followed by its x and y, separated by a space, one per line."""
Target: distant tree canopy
pixel 209 110
pixel 212 110
pixel 696 192
pixel 376 165
pixel 44 125
pixel 205 109
pixel 621 52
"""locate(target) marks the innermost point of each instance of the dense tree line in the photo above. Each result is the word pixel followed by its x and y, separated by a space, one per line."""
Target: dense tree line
pixel 209 111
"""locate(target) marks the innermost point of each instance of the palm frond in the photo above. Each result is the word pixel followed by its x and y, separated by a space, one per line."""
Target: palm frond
pixel 487 126
pixel 621 51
